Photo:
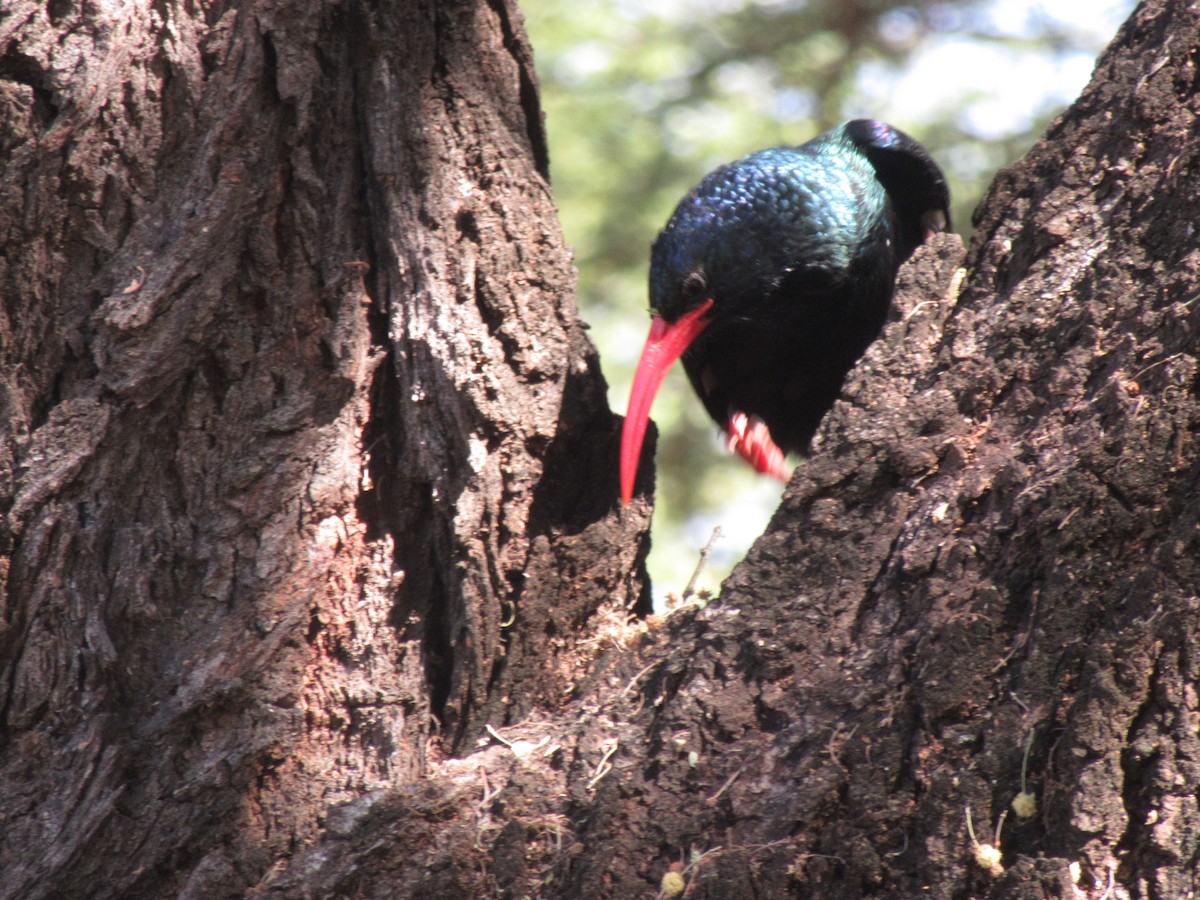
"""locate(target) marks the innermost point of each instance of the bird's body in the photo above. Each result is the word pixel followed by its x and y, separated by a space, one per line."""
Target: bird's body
pixel 773 276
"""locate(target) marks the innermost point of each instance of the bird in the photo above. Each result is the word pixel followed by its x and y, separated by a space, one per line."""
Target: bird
pixel 773 276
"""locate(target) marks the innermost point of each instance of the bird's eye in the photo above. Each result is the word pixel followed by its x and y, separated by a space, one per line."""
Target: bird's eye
pixel 693 286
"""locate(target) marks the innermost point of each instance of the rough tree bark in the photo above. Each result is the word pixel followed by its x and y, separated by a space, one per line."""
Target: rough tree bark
pixel 304 450
pixel 303 442
pixel 996 544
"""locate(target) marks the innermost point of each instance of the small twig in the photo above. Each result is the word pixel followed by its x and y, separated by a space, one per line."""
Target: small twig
pixel 639 706
pixel 912 312
pixel 1000 827
pixel 711 801
pixel 604 766
pixel 488 794
pixel 704 554
pixel 635 679
pixel 494 733
pixel 900 852
pixel 834 744
pixel 699 859
pixel 1165 359
pixel 1023 640
pixel 971 827
pixel 1025 761
pixel 1109 890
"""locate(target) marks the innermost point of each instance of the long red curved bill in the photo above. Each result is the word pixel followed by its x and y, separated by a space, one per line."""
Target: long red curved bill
pixel 666 342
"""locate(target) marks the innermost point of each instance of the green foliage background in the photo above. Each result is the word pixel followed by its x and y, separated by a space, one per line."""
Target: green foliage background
pixel 642 99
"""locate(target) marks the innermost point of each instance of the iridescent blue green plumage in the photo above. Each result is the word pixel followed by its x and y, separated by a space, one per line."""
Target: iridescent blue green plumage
pixel 798 249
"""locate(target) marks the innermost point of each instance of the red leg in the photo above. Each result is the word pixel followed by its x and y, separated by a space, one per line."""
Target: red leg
pixel 750 439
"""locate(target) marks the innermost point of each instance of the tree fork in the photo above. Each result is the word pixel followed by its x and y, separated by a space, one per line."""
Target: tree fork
pixel 223 642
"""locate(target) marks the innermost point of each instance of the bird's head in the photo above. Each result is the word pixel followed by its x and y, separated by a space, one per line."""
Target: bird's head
pixel 709 261
pixel 720 253
pixel 734 237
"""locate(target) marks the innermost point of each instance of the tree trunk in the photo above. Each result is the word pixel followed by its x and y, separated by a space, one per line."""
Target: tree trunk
pixel 308 477
pixel 993 552
pixel 303 441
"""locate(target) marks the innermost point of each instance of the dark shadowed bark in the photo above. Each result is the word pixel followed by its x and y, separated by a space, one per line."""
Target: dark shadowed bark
pixel 308 480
